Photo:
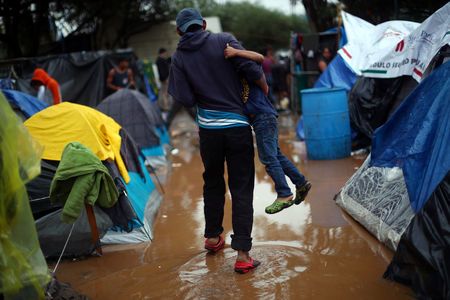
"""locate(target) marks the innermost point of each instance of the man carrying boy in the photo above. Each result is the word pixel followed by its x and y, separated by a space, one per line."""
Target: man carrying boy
pixel 201 76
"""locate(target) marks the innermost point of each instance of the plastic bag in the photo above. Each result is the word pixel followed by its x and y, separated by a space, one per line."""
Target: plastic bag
pixel 23 270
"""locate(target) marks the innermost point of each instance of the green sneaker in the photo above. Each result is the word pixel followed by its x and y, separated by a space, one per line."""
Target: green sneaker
pixel 278 206
pixel 301 192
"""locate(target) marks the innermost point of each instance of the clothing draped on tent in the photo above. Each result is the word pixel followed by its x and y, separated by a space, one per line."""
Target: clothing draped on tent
pixel 81 178
pixel 67 122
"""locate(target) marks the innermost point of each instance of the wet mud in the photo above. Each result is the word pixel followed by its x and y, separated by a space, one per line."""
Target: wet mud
pixel 310 251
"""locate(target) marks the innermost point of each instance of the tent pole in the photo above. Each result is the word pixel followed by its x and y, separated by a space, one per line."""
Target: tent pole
pixel 94 229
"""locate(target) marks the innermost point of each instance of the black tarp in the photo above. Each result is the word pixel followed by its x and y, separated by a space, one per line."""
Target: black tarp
pixel 372 101
pixel 52 233
pixel 422 259
pixel 81 75
pixel 134 112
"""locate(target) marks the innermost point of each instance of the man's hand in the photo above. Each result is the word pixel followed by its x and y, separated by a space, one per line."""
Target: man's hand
pixel 230 52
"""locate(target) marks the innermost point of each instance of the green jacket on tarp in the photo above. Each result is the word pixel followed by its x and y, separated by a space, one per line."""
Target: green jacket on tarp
pixel 81 178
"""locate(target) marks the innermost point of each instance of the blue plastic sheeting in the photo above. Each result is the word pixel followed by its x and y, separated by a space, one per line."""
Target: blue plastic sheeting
pixel 150 93
pixel 300 129
pixel 138 191
pixel 343 39
pixel 417 137
pixel 29 105
pixel 163 134
pixel 153 151
pixel 337 74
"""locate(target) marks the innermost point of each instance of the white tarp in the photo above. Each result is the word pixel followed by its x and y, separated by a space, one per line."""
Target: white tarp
pixel 394 48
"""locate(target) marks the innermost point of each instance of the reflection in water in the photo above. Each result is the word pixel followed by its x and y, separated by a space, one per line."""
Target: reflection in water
pixel 309 251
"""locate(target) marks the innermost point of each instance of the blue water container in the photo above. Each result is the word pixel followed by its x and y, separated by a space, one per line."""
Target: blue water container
pixel 326 123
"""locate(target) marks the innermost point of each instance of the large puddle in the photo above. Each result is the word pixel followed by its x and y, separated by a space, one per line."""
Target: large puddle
pixel 310 251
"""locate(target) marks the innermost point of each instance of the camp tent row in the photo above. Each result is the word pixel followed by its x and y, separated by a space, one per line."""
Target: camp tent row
pixel 130 220
pixel 401 192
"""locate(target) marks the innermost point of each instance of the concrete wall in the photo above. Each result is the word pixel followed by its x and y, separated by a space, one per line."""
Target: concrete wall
pixel 146 44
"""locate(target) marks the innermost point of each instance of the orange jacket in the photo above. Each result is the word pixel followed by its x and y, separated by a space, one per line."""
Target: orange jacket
pixel 42 76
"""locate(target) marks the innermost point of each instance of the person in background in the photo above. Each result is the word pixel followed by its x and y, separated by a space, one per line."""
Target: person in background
pixel 324 59
pixel 121 77
pixel 280 75
pixel 42 81
pixel 163 64
pixel 200 75
pixel 267 69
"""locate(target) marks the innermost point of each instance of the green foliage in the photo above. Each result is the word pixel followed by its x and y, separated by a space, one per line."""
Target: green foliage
pixel 256 26
pixel 322 14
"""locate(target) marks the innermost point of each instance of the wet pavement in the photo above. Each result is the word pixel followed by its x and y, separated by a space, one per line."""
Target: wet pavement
pixel 310 251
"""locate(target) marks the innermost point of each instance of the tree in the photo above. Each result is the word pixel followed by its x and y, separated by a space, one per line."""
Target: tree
pixel 321 14
pixel 32 27
pixel 256 26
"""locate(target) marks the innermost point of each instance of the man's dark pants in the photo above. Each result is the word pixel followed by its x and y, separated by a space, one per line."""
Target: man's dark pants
pixel 235 147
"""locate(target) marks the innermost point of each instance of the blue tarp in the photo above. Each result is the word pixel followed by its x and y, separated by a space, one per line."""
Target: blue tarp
pixel 138 191
pixel 343 39
pixel 337 74
pixel 417 137
pixel 29 105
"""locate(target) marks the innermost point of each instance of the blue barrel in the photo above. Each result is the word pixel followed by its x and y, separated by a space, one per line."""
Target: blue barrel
pixel 326 122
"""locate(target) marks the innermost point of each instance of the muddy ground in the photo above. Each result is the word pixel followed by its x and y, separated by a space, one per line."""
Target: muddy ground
pixel 310 251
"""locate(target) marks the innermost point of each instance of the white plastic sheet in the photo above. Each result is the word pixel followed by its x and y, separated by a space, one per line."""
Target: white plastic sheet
pixel 395 48
pixel 377 198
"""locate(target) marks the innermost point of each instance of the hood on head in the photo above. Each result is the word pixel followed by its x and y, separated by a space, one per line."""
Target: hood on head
pixel 191 41
pixel 40 75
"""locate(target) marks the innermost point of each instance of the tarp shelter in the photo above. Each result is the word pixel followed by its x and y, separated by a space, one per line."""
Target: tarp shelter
pixel 396 48
pixel 81 75
pixel 337 74
pixel 60 124
pixel 140 117
pixel 23 104
pixel 130 220
pixel 400 194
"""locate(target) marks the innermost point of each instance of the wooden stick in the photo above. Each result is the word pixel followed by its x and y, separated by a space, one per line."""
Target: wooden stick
pixel 94 230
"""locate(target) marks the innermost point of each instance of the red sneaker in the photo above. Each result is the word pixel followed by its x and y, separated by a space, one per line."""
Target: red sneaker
pixel 243 267
pixel 215 247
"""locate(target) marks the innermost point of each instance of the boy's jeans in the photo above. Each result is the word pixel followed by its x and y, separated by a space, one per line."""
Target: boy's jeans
pixel 277 165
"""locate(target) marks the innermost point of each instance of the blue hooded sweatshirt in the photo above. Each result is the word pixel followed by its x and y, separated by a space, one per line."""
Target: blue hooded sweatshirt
pixel 200 75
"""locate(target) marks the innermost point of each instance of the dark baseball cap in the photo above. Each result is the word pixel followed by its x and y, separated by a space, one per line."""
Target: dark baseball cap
pixel 187 17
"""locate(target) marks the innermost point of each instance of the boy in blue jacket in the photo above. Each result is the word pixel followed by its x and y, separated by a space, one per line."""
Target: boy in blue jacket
pixel 263 118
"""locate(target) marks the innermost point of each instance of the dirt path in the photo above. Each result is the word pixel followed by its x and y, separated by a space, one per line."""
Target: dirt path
pixel 310 251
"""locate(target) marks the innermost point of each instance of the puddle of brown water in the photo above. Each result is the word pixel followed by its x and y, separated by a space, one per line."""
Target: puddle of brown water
pixel 310 251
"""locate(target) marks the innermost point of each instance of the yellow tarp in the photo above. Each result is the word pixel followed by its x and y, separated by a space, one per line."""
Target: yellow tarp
pixel 58 125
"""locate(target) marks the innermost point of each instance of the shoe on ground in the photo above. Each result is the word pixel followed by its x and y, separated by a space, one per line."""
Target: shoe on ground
pixel 213 248
pixel 243 267
pixel 301 192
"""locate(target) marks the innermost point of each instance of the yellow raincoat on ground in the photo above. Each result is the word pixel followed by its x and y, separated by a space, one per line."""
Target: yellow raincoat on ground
pixel 58 125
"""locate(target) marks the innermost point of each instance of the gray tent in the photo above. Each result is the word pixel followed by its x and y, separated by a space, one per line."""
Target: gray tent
pixel 134 112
